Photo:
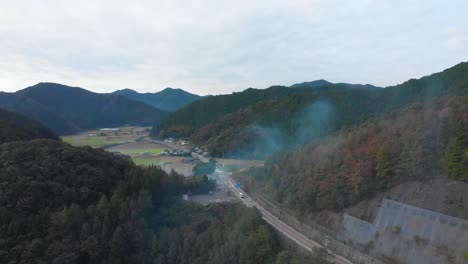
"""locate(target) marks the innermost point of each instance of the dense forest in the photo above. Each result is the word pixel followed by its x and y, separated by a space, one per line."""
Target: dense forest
pixel 67 109
pixel 16 127
pixel 186 121
pixel 255 123
pixel 169 99
pixel 424 141
pixel 65 204
pixel 273 125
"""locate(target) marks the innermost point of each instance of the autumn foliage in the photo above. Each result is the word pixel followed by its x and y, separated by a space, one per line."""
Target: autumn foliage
pixel 359 161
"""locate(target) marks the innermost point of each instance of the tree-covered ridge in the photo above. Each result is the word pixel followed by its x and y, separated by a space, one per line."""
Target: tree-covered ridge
pixel 274 125
pixel 68 109
pixel 16 127
pixel 64 204
pixel 169 99
pixel 360 161
pixel 184 122
pixel 232 124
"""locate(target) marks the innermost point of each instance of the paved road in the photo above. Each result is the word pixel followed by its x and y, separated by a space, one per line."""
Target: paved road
pixel 282 227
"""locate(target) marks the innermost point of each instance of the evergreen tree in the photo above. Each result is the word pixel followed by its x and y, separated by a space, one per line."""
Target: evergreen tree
pixel 456 163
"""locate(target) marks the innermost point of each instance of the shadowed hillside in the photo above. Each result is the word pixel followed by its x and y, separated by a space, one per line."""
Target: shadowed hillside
pixel 16 127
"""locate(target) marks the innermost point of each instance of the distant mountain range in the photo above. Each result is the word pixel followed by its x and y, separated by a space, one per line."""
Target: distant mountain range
pixel 67 109
pixel 321 82
pixel 169 99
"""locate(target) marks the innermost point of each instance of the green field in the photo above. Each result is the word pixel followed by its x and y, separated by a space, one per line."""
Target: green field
pixel 125 136
pixel 139 151
pixel 97 141
pixel 147 162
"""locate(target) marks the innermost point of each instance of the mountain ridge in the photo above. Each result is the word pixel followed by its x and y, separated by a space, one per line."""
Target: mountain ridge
pixel 66 109
pixel 168 99
pixel 322 82
pixel 233 120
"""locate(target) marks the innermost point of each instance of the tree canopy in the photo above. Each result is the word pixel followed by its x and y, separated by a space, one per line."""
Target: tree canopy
pixel 357 162
pixel 65 204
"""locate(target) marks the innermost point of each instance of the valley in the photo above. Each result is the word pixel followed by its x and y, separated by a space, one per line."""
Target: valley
pixel 135 143
pixel 321 161
pixel 316 172
pixel 234 132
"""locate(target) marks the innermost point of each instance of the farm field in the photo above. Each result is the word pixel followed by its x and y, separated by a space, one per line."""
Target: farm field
pixel 138 148
pixel 94 141
pixel 127 141
pixel 147 162
pixel 102 138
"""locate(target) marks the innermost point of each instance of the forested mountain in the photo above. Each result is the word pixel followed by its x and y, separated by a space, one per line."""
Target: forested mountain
pixel 274 125
pixel 169 99
pixel 16 127
pixel 68 109
pixel 65 204
pixel 322 82
pixel 425 141
pixel 189 119
pixel 256 122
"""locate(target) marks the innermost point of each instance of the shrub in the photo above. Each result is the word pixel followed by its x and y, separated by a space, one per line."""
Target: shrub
pixel 396 229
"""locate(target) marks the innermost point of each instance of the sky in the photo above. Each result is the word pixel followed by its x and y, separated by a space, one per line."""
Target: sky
pixel 218 47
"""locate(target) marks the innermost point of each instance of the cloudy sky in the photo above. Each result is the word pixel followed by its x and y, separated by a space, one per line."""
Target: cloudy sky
pixel 213 47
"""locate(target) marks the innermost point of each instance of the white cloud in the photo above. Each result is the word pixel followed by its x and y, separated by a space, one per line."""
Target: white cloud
pixel 224 46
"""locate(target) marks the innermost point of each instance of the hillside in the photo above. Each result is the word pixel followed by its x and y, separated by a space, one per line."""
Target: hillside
pixel 68 109
pixel 186 121
pixel 415 159
pixel 64 204
pixel 422 142
pixel 16 127
pixel 257 122
pixel 169 99
pixel 274 125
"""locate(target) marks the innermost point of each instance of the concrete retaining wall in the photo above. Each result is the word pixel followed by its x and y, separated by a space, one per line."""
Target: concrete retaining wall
pixel 410 234
pixel 319 234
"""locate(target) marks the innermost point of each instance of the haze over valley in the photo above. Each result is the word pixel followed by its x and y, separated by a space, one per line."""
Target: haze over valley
pixel 306 132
